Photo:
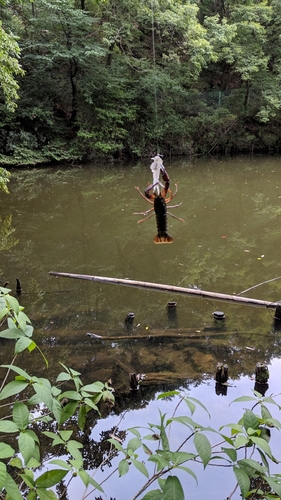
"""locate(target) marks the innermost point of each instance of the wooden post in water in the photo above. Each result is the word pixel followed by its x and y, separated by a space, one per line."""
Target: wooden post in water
pixel 235 299
pixel 221 373
pixel 261 373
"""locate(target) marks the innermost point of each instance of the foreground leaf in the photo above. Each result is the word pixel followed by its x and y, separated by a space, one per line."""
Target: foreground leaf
pixel 243 480
pixel 50 478
pixel 203 447
pixel 173 489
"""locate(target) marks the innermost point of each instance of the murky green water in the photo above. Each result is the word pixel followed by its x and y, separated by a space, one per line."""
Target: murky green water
pixel 81 220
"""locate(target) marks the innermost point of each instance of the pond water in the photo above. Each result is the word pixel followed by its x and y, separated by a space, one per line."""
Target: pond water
pixel 81 220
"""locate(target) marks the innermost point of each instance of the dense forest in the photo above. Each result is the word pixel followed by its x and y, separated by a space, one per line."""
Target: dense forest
pixel 86 79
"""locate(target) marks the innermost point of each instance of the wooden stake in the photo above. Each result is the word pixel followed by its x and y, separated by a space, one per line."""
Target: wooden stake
pixel 172 289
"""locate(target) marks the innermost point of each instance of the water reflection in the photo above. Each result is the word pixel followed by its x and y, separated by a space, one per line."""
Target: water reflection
pixel 80 220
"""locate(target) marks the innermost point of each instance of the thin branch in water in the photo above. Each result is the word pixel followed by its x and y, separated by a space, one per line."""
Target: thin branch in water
pixel 259 284
pixel 7 374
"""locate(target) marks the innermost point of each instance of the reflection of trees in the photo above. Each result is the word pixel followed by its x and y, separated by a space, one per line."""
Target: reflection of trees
pixel 7 238
pixel 100 453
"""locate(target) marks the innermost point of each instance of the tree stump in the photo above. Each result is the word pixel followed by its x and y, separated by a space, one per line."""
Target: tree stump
pixel 261 388
pixel 261 373
pixel 221 373
pixel 134 381
pixel 221 390
pixel 172 314
pixel 129 320
pixel 18 287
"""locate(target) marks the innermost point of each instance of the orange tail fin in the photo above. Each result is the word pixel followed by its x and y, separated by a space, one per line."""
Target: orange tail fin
pixel 163 238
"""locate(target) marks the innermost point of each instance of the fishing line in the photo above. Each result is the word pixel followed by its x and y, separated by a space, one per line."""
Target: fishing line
pixel 154 74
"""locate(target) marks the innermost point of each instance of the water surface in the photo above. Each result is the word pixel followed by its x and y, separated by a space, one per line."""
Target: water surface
pixel 81 220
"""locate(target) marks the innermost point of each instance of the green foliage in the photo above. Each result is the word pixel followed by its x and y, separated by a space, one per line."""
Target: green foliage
pixel 4 179
pixel 9 67
pixel 24 423
pixel 106 78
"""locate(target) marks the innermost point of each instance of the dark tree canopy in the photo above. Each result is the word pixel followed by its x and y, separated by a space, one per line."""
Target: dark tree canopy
pixel 108 78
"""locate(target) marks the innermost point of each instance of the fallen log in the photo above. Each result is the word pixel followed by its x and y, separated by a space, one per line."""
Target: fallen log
pixel 174 289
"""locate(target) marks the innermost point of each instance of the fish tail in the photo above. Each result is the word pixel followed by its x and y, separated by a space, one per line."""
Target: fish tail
pixel 163 238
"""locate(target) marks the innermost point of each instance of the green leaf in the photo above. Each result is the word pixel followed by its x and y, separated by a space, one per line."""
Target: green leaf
pixel 6 451
pixel 168 394
pixel 203 447
pixel 231 453
pixel 3 474
pixel 243 480
pixel 179 457
pixel 46 494
pixel 243 399
pixel 68 411
pixel 160 461
pixel 13 303
pixel 12 388
pixel 50 478
pixel 240 441
pixel 153 495
pixel 264 460
pixel 271 401
pixel 265 413
pixel 197 402
pixel 16 462
pixel 191 406
pixel 70 395
pixel 249 462
pixel 163 436
pixel 11 333
pixel 134 444
pixel 173 489
pixel 61 463
pixel 96 387
pixel 146 450
pixel 26 446
pixel 274 483
pixel 56 439
pixel 22 344
pixel 84 476
pixel 57 411
pixel 82 413
pixel 11 488
pixel 17 370
pixel 90 403
pixel 134 431
pixel 234 428
pixel 123 467
pixel 141 467
pixel 63 377
pixel 31 495
pixel 20 415
pixel 250 420
pixel 185 421
pixel 66 435
pixel 73 450
pixel 8 427
pixel 3 313
pixel 117 445
pixel 21 319
pixel 45 394
pixel 87 479
pixel 261 443
pixel 188 470
pixel 29 481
